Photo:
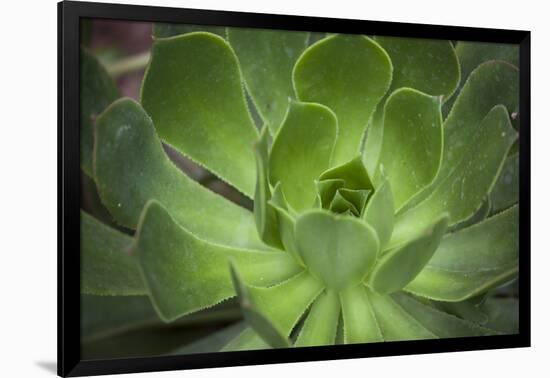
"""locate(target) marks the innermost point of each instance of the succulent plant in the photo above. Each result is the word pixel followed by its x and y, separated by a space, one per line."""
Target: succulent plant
pixel 383 173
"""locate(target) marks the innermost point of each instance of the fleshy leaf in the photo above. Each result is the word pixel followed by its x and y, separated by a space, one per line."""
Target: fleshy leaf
pixel 185 274
pixel 349 74
pixel 412 143
pixel 503 314
pixel 360 322
pixel 321 322
pixel 340 204
pixel 357 197
pixel 395 323
pixel 297 293
pixel 460 188
pixel 266 58
pixel 132 168
pixel 246 340
pixel 428 65
pixel 165 30
pixel 352 172
pixel 396 268
pixel 270 332
pixel 213 342
pixel 326 189
pixel 264 215
pixel 505 193
pixel 198 105
pixel 379 212
pixel 107 268
pixel 470 309
pixel 306 138
pixel 339 250
pixel 438 322
pixel 97 91
pixel 472 260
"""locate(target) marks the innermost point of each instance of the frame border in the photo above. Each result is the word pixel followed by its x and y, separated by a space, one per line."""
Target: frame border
pixel 68 341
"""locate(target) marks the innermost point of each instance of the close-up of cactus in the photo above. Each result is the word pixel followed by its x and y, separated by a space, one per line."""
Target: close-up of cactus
pixel 274 189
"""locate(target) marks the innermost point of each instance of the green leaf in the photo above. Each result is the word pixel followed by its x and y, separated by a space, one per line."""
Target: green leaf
pixel 472 260
pixel 264 215
pixel 503 314
pixel 505 193
pixel 469 309
pixel 321 322
pixel 428 65
pixel 473 54
pixel 193 91
pixel 267 58
pixel 352 172
pixel 185 274
pixel 349 74
pixel 379 212
pixel 214 342
pixel 271 332
pixel 326 189
pixel 461 187
pixel 104 316
pixel 165 30
pixel 339 250
pixel 107 268
pixel 396 268
pixel 132 168
pixel 306 139
pixel 438 322
pixel 357 197
pixel 97 91
pixel 246 340
pixel 340 204
pixel 412 144
pixel 360 322
pixel 297 293
pixel 395 323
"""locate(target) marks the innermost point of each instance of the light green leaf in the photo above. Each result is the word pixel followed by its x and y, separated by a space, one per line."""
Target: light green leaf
pixel 326 189
pixel 357 197
pixel 427 65
pixel 438 322
pixel 352 172
pixel 107 268
pixel 271 332
pixel 264 215
pixel 297 293
pixel 360 322
pixel 505 193
pixel 132 168
pixel 379 212
pixel 395 323
pixel 246 340
pixel 349 74
pixel 185 274
pixel 396 268
pixel 461 187
pixel 193 91
pixel 339 250
pixel 321 322
pixel 306 139
pixel 412 143
pixel 266 58
pixel 472 260
pixel 340 204
pixel 97 91
pixel 165 30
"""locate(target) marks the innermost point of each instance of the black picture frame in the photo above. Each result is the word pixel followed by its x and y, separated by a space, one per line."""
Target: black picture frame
pixel 69 360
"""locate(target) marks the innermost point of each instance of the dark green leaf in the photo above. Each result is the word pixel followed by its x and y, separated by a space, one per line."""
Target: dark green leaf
pixel 505 193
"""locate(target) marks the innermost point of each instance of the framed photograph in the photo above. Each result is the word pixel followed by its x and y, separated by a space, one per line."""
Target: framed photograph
pixel 241 188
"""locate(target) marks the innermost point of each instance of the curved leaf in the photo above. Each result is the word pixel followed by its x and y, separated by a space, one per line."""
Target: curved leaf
pixel 472 260
pixel 97 91
pixel 398 267
pixel 379 212
pixel 321 322
pixel 412 143
pixel 192 90
pixel 107 268
pixel 461 188
pixel 185 274
pixel 349 74
pixel 360 322
pixel 353 173
pixel 505 193
pixel 132 168
pixel 326 189
pixel 339 250
pixel 306 141
pixel 266 58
